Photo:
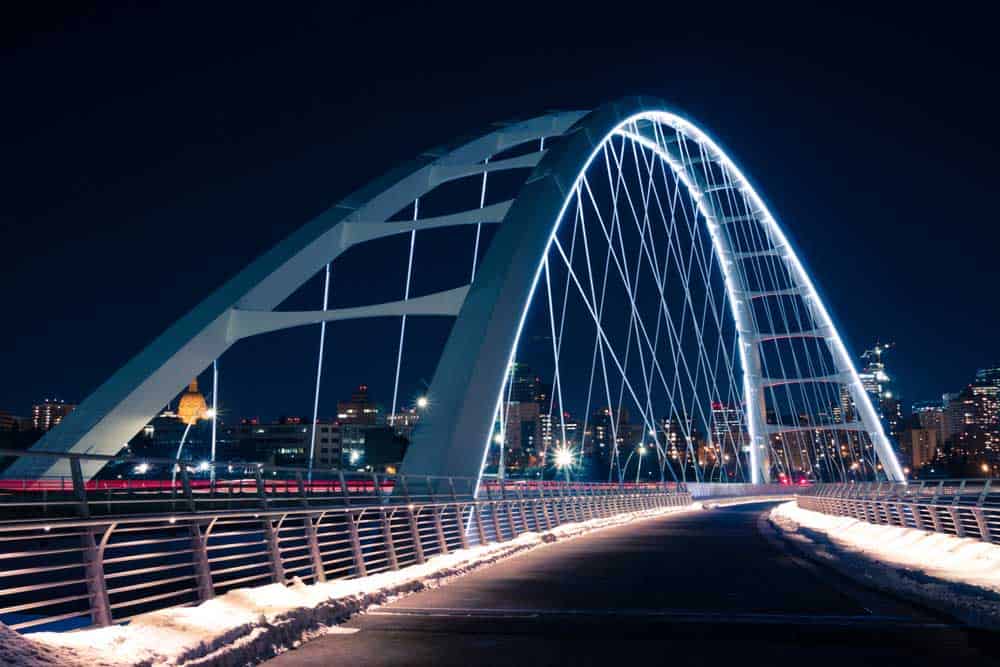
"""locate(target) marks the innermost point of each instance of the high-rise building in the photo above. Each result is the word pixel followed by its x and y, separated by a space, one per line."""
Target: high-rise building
pixel 954 417
pixel 523 384
pixel 523 434
pixel 8 422
pixel 360 409
pixel 931 415
pixel 727 426
pixel 879 386
pixel 49 413
pixel 989 375
pixel 919 445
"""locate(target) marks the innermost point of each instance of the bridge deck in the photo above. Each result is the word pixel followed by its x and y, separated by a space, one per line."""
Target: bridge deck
pixel 694 589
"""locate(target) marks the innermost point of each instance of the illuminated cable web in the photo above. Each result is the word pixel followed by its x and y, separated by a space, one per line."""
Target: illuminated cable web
pixel 642 377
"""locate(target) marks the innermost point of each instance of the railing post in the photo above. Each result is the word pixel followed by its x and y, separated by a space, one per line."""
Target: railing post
pixel 436 511
pixel 300 483
pixel 494 516
pixel 79 489
pixel 261 488
pixel 544 504
pixel 385 518
pixel 506 509
pixel 312 539
pixel 418 547
pixel 202 569
pixel 274 549
pixel 93 561
pixel 955 510
pixel 359 557
pixel 480 529
pixel 459 515
pixel 977 511
pixel 186 489
pixel 352 528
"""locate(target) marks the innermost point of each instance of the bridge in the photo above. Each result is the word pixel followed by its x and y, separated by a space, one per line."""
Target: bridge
pixel 682 353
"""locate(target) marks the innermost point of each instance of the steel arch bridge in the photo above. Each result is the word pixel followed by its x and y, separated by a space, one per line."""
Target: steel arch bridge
pixel 697 315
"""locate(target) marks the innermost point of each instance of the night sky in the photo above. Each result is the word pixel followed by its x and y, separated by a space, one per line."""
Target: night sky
pixel 149 154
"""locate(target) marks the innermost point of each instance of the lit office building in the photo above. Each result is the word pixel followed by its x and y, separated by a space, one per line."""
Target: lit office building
pixel 49 413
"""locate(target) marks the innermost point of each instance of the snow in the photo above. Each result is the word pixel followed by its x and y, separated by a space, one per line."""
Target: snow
pixel 18 650
pixel 250 624
pixel 960 576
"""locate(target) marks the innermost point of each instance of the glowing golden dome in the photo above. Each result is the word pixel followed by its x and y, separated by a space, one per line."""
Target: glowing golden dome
pixel 192 406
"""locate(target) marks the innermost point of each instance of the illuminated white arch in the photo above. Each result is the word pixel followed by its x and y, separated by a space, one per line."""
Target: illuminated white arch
pixel 467 387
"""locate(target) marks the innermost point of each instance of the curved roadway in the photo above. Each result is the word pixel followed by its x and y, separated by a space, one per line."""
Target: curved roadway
pixel 699 588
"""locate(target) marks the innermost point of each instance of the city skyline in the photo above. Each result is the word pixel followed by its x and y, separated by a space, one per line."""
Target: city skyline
pixel 113 211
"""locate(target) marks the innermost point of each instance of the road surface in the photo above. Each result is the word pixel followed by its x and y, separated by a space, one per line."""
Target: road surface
pixel 700 588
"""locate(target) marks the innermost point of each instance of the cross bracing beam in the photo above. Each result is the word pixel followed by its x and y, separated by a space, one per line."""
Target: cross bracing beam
pixel 360 232
pixel 444 173
pixel 760 337
pixel 841 378
pixel 768 252
pixel 837 426
pixel 246 323
pixel 760 294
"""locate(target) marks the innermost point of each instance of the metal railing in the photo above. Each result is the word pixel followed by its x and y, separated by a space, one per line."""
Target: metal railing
pixel 75 553
pixel 959 507
pixel 699 490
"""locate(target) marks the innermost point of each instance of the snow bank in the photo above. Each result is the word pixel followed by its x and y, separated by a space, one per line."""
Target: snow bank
pixel 16 649
pixel 250 624
pixel 960 576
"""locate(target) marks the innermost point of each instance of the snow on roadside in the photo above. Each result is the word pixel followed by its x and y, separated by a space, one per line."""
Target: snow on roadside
pixel 18 650
pixel 960 576
pixel 249 624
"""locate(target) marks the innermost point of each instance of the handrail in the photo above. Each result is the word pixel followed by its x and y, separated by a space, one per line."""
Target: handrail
pixel 105 569
pixel 959 507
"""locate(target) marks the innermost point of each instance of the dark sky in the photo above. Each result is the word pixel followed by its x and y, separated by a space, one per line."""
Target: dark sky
pixel 149 154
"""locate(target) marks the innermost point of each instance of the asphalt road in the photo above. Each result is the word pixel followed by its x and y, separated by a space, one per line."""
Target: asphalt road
pixel 693 589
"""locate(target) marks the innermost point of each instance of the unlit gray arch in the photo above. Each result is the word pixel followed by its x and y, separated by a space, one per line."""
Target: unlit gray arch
pixel 107 419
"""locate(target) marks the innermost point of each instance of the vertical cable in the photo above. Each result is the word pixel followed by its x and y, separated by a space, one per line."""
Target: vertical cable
pixel 215 417
pixel 319 372
pixel 402 324
pixel 479 225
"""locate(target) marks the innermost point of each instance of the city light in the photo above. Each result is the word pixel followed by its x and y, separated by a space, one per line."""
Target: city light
pixel 422 402
pixel 141 469
pixel 563 457
pixel 210 413
pixel 203 466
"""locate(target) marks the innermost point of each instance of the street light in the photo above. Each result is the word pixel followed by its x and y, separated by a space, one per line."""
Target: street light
pixel 422 402
pixel 564 459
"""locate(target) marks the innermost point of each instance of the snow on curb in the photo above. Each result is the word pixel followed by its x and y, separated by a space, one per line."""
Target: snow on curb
pixel 959 576
pixel 249 624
